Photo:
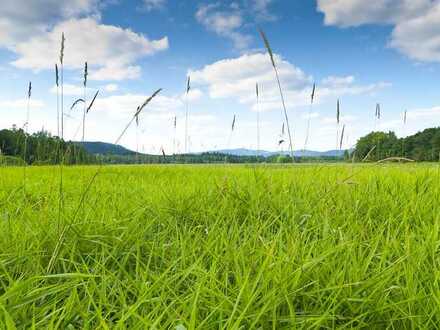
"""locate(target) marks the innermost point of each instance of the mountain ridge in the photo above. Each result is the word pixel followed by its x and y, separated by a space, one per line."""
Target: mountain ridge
pixel 97 147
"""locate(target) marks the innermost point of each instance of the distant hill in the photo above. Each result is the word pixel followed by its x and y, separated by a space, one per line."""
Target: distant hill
pixel 104 148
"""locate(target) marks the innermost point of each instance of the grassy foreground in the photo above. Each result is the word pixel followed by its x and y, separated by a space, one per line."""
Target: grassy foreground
pixel 221 247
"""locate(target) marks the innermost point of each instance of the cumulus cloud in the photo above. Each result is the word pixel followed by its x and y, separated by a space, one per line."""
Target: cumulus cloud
pixel 108 48
pixel 21 19
pixel 358 12
pixel 224 22
pixel 34 36
pixel 416 23
pixel 236 78
pixel 419 37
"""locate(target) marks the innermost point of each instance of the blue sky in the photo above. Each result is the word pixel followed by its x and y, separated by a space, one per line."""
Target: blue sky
pixel 363 54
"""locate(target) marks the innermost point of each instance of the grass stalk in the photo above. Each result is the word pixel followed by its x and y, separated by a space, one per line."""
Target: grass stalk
pixel 85 103
pixel 338 119
pixel 26 132
pixel 57 83
pixel 174 134
pixel 188 88
pixel 63 40
pixel 286 117
pixel 257 90
pixel 309 119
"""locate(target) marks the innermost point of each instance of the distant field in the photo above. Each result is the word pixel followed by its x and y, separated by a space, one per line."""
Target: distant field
pixel 221 247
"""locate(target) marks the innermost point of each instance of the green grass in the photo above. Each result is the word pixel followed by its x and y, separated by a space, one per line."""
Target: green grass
pixel 222 247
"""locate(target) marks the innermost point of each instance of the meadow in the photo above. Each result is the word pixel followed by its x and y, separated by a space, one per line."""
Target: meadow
pixel 220 246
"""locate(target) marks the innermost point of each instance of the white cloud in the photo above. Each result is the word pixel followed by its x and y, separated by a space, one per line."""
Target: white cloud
pixel 21 104
pixel 261 8
pixel 111 88
pixel 109 50
pixel 116 73
pixel 236 78
pixel 70 90
pixel 193 95
pixel 150 5
pixel 429 113
pixel 358 12
pixel 32 30
pixel 337 81
pixel 418 37
pixel 416 23
pixel 225 23
pixel 22 19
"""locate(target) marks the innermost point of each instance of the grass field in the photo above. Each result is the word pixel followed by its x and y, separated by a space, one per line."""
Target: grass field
pixel 221 247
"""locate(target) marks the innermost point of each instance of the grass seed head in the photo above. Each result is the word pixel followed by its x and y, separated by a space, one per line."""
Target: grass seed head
pixel 76 102
pixel 188 85
pixel 63 39
pixel 85 74
pixel 57 77
pixel 93 101
pixel 267 45
pixel 342 137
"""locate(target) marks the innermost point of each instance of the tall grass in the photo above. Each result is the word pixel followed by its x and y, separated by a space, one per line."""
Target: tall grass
pixel 29 94
pixel 63 40
pixel 231 132
pixel 377 117
pixel 174 134
pixel 377 127
pixel 342 137
pixel 70 222
pixel 257 92
pixel 404 132
pixel 338 120
pixel 60 154
pixel 229 249
pixel 309 119
pixel 137 136
pixel 85 102
pixel 188 88
pixel 281 139
pixel 286 117
pixel 57 83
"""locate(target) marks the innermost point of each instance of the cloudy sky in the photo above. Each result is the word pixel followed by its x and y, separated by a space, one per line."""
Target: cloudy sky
pixel 362 52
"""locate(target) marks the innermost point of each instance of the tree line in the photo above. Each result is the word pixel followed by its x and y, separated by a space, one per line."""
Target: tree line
pixel 40 149
pixel 44 149
pixel 423 146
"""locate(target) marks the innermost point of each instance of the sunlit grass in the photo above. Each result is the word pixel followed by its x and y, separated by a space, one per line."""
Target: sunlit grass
pixel 222 247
